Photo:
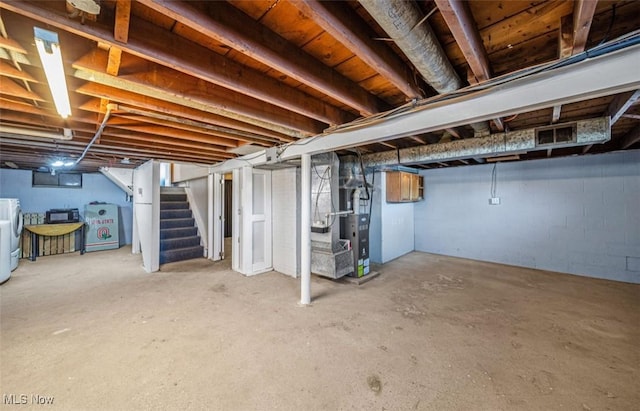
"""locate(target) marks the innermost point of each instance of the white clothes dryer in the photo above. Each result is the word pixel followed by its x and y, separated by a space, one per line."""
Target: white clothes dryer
pixel 10 210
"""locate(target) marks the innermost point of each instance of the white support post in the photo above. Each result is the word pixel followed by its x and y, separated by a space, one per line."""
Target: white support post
pixel 211 226
pixel 305 231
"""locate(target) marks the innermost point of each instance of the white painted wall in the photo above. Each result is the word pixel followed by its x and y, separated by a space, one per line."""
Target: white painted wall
pixel 391 232
pixel 575 215
pixel 95 187
pixel 286 221
pixel 197 193
pixel 185 172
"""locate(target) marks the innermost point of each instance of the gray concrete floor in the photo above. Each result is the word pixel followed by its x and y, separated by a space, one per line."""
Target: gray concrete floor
pixel 431 333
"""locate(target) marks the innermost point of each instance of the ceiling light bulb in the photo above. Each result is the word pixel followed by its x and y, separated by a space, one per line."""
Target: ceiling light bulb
pixel 68 163
pixel 57 163
pixel 51 58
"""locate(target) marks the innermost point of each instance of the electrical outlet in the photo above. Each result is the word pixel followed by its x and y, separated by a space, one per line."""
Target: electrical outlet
pixel 494 201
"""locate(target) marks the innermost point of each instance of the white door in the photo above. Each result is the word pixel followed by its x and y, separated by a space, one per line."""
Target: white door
pixel 260 220
pixel 252 221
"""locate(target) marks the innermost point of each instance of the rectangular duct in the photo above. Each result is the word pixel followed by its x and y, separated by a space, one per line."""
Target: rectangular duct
pixel 591 131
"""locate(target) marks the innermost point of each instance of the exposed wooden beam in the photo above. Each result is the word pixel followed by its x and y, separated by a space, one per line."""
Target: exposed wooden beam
pixel 11 45
pixel 631 138
pixel 633 116
pixel 10 71
pixel 583 11
pixel 417 139
pixel 124 119
pixel 21 106
pixel 223 22
pixel 10 88
pixel 586 148
pixel 620 104
pixel 339 20
pixel 114 60
pixel 172 86
pixel 123 15
pixel 457 15
pixel 161 107
pixel 388 145
pixel 162 47
pixel 565 36
pixel 168 132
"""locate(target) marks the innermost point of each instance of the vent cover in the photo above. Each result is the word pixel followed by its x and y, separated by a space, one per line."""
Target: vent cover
pixel 558 134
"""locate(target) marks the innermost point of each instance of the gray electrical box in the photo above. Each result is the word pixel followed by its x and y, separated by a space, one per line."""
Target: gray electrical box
pixel 102 227
pixel 356 228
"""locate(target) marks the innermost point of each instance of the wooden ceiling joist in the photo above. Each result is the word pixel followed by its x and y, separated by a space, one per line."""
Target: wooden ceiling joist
pixel 10 88
pixel 125 119
pixel 11 45
pixel 12 72
pixel 174 87
pixel 149 103
pixel 230 26
pixel 123 16
pixel 343 24
pixel 155 44
pixel 583 11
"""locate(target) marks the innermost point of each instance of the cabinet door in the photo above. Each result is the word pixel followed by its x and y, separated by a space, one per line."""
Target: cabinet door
pixel 415 187
pixel 406 182
pixel 393 187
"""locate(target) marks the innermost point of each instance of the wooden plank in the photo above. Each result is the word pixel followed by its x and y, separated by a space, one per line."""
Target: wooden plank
pixel 583 11
pixel 531 23
pixel 12 45
pixel 458 16
pixel 121 26
pixel 229 25
pixel 113 61
pixel 161 47
pixel 175 87
pixel 147 103
pixel 565 37
pixel 10 88
pixel 12 72
pixel 341 22
pixel 131 120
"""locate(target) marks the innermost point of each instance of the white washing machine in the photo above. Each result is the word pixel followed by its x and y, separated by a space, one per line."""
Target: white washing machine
pixel 10 210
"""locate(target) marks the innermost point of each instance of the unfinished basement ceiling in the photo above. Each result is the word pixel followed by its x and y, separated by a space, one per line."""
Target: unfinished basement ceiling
pixel 198 81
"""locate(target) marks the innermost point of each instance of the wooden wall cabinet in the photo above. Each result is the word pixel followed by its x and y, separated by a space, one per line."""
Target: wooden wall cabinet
pixel 404 187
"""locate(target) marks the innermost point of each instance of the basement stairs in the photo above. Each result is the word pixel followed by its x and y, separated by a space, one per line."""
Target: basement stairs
pixel 179 239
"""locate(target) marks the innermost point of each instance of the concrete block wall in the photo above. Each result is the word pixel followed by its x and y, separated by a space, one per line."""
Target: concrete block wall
pixel 577 215
pixel 391 231
pixel 95 187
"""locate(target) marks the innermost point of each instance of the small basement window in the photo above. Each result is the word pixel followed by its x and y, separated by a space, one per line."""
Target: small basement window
pixel 59 179
pixel 563 133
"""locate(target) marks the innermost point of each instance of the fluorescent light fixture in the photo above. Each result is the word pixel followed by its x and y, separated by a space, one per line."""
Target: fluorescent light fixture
pixel 61 163
pixel 49 50
pixel 33 132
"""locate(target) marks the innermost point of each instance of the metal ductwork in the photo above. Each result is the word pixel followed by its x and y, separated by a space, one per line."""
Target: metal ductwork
pixel 580 133
pixel 404 23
